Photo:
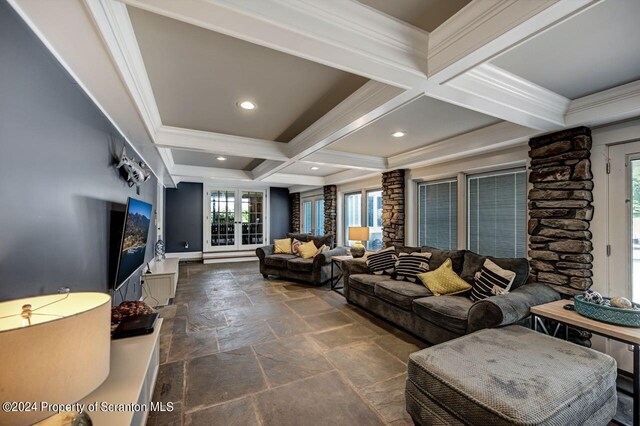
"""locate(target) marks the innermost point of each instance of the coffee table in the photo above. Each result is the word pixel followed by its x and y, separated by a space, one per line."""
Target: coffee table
pixel 631 336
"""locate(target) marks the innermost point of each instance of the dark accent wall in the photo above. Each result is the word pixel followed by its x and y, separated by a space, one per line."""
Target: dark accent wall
pixel 59 184
pixel 280 217
pixel 183 217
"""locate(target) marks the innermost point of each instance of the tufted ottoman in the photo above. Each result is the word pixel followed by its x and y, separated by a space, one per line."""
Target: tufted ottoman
pixel 508 376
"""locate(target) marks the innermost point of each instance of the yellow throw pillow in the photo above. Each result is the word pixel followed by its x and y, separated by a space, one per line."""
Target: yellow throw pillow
pixel 282 246
pixel 444 280
pixel 308 250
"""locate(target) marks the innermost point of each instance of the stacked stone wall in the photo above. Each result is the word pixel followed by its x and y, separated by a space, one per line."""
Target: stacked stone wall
pixel 393 208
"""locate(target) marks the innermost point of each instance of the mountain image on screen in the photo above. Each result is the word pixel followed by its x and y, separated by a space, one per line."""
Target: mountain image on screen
pixel 134 239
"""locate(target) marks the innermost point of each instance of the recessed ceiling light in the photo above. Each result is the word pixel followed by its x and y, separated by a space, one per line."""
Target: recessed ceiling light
pixel 315 168
pixel 221 158
pixel 248 105
pixel 399 134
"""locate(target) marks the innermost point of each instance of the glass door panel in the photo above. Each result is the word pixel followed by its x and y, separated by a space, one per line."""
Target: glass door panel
pixel 222 214
pixel 252 220
pixel 307 213
pixel 352 213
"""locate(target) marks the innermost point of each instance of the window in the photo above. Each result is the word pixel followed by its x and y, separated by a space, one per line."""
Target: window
pixel 307 217
pixel 319 217
pixel 313 215
pixel 374 219
pixel 438 214
pixel 352 213
pixel 496 216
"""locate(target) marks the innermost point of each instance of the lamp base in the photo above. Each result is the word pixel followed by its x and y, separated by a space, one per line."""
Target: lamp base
pixel 357 250
pixel 71 418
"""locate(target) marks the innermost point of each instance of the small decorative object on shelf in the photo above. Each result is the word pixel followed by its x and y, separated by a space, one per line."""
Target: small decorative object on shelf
pixel 606 310
pixel 159 250
pixel 593 297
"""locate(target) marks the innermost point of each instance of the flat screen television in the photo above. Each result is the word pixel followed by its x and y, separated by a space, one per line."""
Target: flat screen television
pixel 133 243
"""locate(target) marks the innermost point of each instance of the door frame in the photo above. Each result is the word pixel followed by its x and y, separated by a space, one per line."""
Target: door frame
pixel 206 219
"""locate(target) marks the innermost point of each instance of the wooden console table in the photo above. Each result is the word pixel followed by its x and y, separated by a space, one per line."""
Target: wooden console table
pixel 160 285
pixel 131 380
pixel 631 336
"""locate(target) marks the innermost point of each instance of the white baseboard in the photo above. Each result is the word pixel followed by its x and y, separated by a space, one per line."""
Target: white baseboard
pixel 187 255
pixel 230 260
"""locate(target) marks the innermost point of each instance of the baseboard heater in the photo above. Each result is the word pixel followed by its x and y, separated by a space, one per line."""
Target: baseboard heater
pixel 231 256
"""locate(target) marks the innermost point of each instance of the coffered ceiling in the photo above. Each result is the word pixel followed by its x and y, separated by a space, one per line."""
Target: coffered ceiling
pixel 332 80
pixel 595 51
pixel 424 120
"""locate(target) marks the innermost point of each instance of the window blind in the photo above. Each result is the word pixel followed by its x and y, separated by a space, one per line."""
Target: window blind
pixel 438 214
pixel 496 216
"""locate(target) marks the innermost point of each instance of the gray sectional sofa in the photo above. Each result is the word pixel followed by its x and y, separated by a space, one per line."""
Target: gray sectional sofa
pixel 316 270
pixel 439 319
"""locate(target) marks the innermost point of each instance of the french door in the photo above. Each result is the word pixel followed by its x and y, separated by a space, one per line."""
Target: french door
pixel 234 219
pixel 312 215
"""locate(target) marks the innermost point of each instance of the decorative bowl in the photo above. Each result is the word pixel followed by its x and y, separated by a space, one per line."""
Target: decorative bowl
pixel 617 316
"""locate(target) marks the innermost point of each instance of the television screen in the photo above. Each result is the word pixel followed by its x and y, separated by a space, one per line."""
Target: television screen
pixel 134 240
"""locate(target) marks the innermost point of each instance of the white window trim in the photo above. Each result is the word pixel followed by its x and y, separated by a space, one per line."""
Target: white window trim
pixel 342 237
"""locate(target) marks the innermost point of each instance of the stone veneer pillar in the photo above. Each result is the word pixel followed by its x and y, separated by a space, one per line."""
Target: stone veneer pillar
pixel 393 200
pixel 294 202
pixel 330 209
pixel 560 210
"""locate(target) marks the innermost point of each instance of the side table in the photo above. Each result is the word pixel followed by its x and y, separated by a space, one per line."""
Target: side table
pixel 336 262
pixel 631 336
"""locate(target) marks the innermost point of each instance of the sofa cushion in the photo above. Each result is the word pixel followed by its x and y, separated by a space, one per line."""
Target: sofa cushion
pixel 366 282
pixel 278 260
pixel 300 264
pixel 448 312
pixel 473 263
pixel 409 266
pixel 326 240
pixel 400 293
pixel 300 237
pixel 438 256
pixel 405 249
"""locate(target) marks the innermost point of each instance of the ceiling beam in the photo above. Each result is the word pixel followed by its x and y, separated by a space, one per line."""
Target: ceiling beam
pixel 346 159
pixel 210 172
pixel 221 144
pixel 291 179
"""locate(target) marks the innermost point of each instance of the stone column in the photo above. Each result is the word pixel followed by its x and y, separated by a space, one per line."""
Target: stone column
pixel 560 210
pixel 330 209
pixel 295 211
pixel 393 199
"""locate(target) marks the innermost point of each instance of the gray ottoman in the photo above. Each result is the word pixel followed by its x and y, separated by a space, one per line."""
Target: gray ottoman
pixel 508 376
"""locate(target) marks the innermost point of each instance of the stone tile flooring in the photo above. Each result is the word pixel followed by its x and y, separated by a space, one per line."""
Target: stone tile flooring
pixel 237 349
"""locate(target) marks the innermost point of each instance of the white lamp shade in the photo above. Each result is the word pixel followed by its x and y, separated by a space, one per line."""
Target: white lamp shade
pixel 60 358
pixel 358 233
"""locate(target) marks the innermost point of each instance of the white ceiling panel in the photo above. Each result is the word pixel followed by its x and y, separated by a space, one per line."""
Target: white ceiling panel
pixel 594 51
pixel 425 120
pixel 304 168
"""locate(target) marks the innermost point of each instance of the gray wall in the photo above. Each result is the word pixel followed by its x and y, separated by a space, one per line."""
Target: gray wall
pixel 58 181
pixel 280 220
pixel 183 217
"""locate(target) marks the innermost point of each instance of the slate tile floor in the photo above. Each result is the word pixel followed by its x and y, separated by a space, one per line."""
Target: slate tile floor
pixel 237 349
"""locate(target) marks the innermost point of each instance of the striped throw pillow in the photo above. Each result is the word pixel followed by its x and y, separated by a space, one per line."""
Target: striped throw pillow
pixel 382 262
pixel 492 280
pixel 409 266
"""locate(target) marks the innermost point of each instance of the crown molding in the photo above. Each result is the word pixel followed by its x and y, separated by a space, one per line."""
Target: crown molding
pixel 346 159
pixel 484 29
pixel 114 24
pixel 218 143
pixel 488 81
pixel 618 103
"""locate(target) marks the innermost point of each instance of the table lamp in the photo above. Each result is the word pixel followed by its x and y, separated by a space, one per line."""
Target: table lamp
pixel 54 349
pixel 358 234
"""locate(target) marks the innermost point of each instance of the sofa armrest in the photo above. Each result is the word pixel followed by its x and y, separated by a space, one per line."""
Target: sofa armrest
pixel 338 251
pixel 509 308
pixel 264 251
pixel 355 266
